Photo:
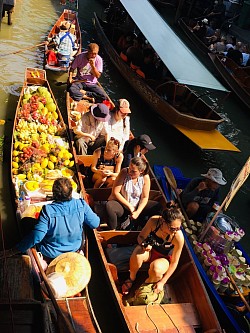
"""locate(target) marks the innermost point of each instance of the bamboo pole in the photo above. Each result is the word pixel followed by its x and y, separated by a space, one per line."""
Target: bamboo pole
pixel 22 50
pixel 63 321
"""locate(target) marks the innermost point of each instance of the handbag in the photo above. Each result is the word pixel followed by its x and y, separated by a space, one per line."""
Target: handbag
pixel 145 295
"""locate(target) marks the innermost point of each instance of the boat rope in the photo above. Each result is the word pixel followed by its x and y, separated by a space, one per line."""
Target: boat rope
pixel 169 318
pixel 5 271
pixel 70 314
pixel 146 309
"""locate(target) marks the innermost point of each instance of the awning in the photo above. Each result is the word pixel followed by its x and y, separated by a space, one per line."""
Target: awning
pixel 182 63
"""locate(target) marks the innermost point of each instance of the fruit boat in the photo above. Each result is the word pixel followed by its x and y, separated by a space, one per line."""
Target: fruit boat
pixel 42 152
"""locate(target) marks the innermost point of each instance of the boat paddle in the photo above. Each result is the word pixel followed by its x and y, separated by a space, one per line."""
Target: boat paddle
pixel 22 50
pixel 64 324
pixel 172 182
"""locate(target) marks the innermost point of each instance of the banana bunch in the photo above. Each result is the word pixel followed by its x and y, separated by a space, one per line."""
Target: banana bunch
pixel 22 125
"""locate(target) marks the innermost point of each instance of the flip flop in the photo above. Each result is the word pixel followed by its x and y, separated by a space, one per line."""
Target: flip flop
pixel 127 285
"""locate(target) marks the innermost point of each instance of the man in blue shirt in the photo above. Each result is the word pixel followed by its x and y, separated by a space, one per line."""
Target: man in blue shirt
pixel 59 228
pixel 201 193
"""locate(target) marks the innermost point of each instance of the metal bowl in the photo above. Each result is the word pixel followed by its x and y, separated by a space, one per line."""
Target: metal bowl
pixel 223 223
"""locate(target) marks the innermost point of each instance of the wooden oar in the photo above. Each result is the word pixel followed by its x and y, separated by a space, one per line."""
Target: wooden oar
pixel 172 182
pixel 63 322
pixel 22 50
pixel 112 103
pixel 238 290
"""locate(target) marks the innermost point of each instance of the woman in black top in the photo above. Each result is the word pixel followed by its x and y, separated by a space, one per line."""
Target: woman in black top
pixel 106 164
pixel 160 243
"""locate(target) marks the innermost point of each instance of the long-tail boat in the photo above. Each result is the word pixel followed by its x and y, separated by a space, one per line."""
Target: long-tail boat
pixel 173 101
pixel 237 77
pixel 188 309
pixel 225 299
pixel 42 152
pixel 69 18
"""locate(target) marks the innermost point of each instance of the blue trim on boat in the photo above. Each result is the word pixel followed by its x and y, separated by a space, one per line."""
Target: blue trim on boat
pixel 215 297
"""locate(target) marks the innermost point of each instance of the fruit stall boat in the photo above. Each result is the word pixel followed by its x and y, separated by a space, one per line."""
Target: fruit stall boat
pixel 69 19
pixel 216 255
pixel 42 152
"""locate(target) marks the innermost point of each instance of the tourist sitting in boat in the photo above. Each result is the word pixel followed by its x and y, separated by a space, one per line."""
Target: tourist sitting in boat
pixel 217 12
pixel 148 67
pixel 137 147
pixel 201 193
pixel 160 243
pixel 118 126
pixel 106 164
pixel 129 203
pixel 220 46
pixel 125 41
pixel 236 54
pixel 89 66
pixel 60 226
pixel 65 42
pixel 135 52
pixel 90 131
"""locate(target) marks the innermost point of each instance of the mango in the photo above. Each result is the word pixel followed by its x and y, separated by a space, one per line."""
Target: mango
pixel 53 158
pixel 71 163
pixel 51 165
pixel 15 165
pixel 44 163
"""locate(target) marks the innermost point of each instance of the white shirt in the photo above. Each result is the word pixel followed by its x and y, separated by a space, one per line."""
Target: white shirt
pixel 120 129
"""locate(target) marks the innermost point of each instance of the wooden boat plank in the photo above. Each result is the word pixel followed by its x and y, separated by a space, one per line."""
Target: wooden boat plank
pixel 166 317
pixel 210 140
pixel 77 311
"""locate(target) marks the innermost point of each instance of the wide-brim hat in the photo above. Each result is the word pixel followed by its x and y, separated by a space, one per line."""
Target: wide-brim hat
pixel 74 268
pixel 124 106
pixel 215 175
pixel 100 112
pixel 145 141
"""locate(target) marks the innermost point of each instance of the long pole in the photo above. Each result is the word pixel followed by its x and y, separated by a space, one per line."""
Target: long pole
pixel 66 326
pixel 22 50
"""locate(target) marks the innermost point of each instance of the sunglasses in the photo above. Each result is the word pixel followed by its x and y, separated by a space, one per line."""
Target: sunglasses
pixel 172 229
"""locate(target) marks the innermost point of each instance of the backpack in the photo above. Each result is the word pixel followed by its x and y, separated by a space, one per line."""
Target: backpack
pixel 145 295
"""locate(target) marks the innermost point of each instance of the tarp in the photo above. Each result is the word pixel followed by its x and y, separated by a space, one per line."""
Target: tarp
pixel 182 63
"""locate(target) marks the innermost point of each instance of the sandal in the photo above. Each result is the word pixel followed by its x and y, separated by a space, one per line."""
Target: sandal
pixel 127 285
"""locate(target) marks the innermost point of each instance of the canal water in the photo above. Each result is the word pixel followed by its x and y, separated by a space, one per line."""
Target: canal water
pixel 31 23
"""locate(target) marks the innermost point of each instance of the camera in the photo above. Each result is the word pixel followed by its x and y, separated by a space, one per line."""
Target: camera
pixel 149 241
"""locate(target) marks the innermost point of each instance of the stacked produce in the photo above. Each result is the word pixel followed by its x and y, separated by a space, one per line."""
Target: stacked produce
pixel 214 263
pixel 39 144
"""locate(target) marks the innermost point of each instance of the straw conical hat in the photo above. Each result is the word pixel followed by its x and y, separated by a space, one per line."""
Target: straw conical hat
pixel 75 269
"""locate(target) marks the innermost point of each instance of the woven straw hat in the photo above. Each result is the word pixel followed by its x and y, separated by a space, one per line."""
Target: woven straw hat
pixel 75 269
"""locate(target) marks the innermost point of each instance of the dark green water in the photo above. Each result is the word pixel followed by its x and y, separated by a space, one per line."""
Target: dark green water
pixel 30 28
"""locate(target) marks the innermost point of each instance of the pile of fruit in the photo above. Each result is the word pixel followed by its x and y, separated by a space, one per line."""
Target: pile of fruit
pixel 39 145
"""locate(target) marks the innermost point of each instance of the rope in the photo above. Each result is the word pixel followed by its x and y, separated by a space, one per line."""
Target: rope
pixel 146 309
pixel 5 270
pixel 169 318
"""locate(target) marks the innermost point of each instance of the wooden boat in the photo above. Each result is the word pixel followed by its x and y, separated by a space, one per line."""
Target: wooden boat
pixel 70 18
pixel 39 133
pixel 190 308
pixel 197 42
pixel 237 78
pixel 186 307
pixel 173 102
pixel 225 303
